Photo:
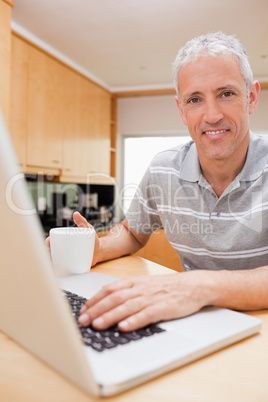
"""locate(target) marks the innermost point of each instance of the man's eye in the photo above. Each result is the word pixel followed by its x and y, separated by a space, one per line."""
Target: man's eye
pixel 193 100
pixel 227 94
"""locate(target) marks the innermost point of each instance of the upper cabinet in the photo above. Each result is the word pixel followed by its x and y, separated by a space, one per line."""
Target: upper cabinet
pixel 19 97
pixel 60 120
pixel 86 131
pixel 44 109
pixel 5 54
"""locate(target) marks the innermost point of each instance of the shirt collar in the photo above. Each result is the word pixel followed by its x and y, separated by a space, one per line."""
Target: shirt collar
pixel 257 158
pixel 190 168
pixel 256 161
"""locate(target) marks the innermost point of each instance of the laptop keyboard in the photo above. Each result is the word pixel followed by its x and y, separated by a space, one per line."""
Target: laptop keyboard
pixel 110 338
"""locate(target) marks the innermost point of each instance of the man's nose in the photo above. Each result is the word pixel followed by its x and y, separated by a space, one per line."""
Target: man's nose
pixel 213 112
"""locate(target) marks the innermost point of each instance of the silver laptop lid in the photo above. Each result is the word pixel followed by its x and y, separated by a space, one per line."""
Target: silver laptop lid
pixel 32 309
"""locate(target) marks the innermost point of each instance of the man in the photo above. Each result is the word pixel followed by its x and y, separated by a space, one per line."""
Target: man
pixel 210 195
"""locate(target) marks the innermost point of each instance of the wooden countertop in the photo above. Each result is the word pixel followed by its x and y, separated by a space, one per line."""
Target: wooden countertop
pixel 236 373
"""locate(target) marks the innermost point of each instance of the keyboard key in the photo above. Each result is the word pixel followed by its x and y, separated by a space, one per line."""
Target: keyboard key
pixel 97 346
pixel 108 344
pixel 119 339
pixel 88 341
pixel 132 336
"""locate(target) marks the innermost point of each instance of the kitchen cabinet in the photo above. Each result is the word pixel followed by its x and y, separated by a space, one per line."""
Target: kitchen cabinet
pixel 19 97
pixel 60 122
pixel 44 131
pixel 35 102
pixel 5 54
pixel 86 129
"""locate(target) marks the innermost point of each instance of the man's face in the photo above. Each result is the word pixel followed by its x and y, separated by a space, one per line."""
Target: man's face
pixel 215 106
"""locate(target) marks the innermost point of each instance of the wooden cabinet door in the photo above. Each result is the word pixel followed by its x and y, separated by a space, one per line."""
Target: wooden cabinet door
pixel 19 97
pixel 86 118
pixel 5 45
pixel 60 120
pixel 100 115
pixel 75 133
pixel 44 110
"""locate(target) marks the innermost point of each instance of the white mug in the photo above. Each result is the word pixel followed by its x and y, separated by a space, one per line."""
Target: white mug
pixel 72 249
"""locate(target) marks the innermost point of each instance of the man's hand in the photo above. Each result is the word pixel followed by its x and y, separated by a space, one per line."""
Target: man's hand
pixel 139 301
pixel 136 302
pixel 81 222
pixel 120 240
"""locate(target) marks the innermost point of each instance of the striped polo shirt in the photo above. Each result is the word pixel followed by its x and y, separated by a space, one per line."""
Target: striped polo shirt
pixel 208 232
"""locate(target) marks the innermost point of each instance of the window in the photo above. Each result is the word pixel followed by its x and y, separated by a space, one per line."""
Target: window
pixel 138 153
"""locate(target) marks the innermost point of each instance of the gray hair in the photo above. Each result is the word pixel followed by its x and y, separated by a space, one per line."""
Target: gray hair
pixel 212 44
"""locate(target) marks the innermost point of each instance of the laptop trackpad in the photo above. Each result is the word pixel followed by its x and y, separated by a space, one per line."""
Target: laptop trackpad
pixel 85 285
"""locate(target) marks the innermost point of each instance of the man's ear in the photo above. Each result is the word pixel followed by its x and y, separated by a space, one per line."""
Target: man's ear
pixel 253 97
pixel 181 111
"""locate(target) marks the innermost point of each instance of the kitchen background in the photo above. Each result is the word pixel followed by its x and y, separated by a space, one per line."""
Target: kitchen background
pixel 71 93
pixel 55 202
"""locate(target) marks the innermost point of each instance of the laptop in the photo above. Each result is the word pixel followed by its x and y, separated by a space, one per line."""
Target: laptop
pixel 34 311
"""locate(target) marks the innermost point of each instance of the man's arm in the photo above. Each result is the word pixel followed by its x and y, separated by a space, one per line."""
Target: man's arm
pixel 136 302
pixel 241 290
pixel 120 240
pixel 139 301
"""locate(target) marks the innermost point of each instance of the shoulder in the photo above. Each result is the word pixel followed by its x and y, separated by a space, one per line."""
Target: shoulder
pixel 258 147
pixel 257 157
pixel 172 157
pixel 258 140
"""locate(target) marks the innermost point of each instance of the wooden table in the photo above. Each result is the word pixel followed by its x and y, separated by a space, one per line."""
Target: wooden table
pixel 234 374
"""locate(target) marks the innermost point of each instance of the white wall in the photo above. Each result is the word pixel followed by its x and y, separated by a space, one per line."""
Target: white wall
pixel 259 119
pixel 159 114
pixel 149 114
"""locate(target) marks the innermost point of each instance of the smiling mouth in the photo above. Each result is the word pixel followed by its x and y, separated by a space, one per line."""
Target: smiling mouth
pixel 210 132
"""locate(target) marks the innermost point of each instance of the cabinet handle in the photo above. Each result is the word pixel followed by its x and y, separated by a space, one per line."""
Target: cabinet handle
pixel 56 162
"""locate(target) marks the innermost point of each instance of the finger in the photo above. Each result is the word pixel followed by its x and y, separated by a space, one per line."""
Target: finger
pixel 119 313
pixel 104 305
pixel 116 302
pixel 119 305
pixel 80 221
pixel 108 290
pixel 161 308
pixel 111 296
pixel 148 315
pixel 135 313
pixel 47 242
